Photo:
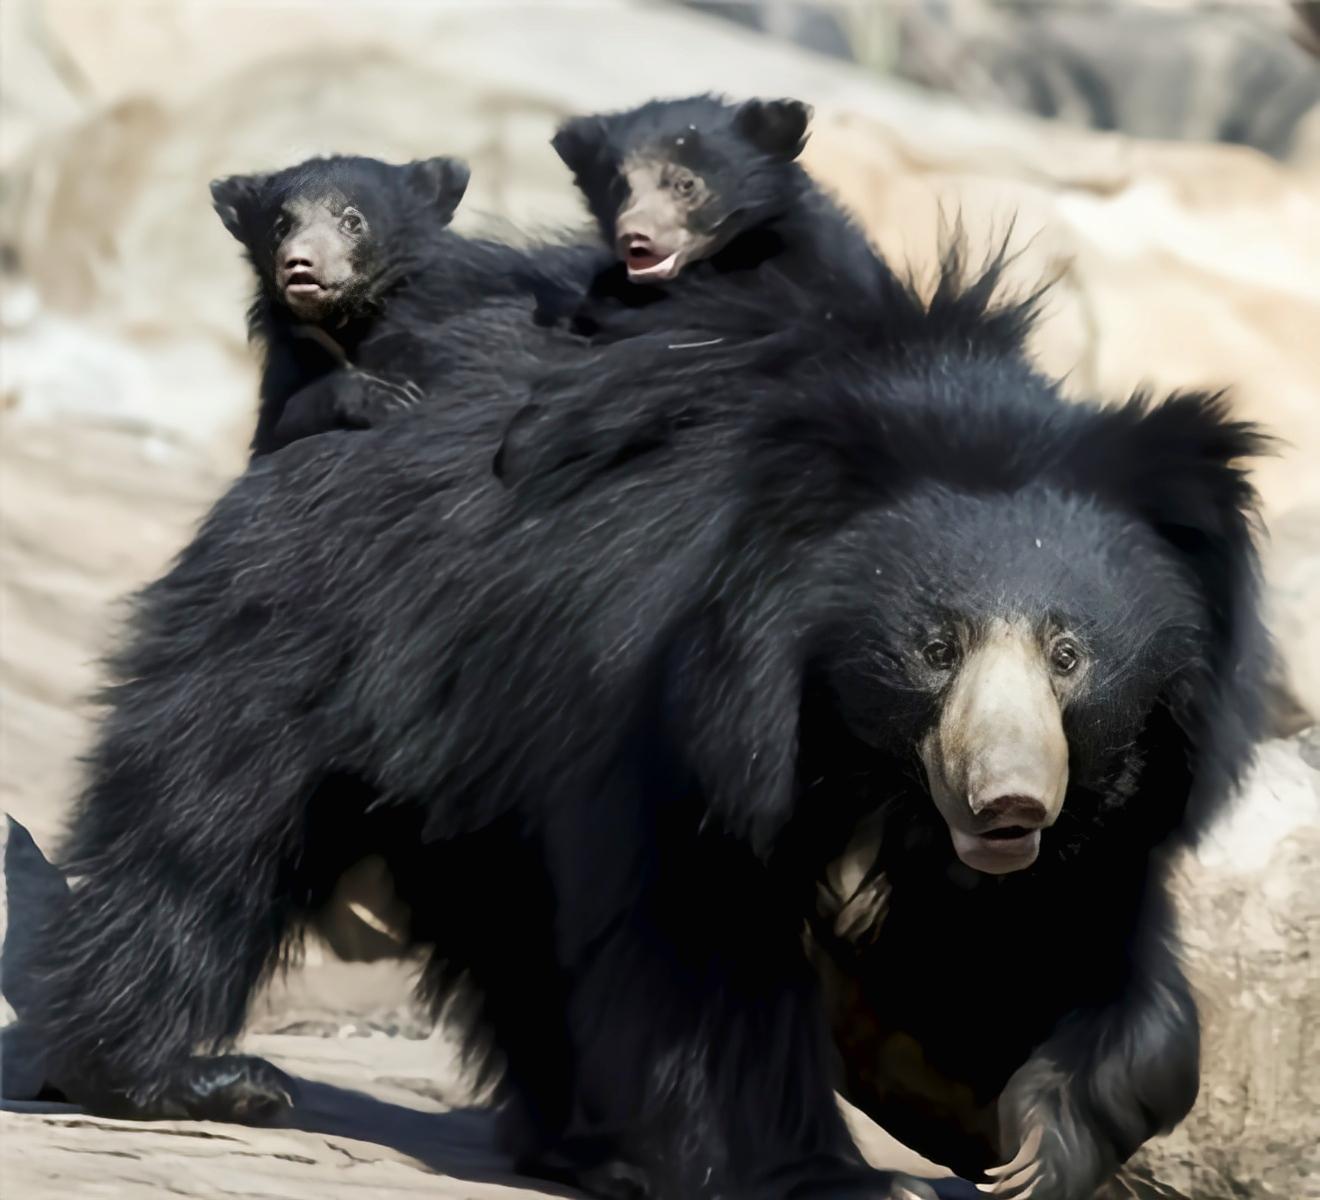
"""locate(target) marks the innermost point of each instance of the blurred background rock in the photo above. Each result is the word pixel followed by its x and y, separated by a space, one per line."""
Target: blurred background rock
pixel 1178 69
pixel 1160 160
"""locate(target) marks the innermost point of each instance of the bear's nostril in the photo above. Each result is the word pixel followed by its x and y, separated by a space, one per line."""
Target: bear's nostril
pixel 1010 809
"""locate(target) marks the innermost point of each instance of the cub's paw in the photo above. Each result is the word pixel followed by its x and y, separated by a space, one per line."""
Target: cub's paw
pixel 363 400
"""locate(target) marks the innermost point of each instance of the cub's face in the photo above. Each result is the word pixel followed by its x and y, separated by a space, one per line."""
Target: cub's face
pixel 1015 648
pixel 325 237
pixel 673 182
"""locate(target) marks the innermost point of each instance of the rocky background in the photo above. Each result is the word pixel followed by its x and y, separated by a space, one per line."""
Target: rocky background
pixel 128 393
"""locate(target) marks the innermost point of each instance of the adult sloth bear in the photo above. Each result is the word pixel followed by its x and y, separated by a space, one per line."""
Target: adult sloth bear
pixel 1078 686
pixel 609 728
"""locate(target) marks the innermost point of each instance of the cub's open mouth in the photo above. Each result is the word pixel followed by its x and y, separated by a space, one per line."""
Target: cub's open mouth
pixel 302 283
pixel 645 265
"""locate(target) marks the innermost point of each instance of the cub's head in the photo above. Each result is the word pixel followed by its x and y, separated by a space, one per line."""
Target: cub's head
pixel 675 181
pixel 328 237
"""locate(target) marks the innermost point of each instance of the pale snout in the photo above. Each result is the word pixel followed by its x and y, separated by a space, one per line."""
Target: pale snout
pixel 651 249
pixel 652 236
pixel 997 760
pixel 311 265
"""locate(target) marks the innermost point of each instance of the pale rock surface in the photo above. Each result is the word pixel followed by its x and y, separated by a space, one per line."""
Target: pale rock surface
pixel 1249 903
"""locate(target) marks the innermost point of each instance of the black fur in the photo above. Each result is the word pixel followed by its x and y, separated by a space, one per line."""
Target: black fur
pixel 764 204
pixel 1134 525
pixel 375 352
pixel 821 333
pixel 382 348
pixel 609 726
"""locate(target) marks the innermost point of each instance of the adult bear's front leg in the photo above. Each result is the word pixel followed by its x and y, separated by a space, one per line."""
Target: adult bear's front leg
pixel 702 1046
pixel 1109 1078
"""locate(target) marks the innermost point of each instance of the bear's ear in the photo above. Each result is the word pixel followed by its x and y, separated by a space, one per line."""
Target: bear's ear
pixel 440 182
pixel 1181 467
pixel 580 143
pixel 236 200
pixel 775 127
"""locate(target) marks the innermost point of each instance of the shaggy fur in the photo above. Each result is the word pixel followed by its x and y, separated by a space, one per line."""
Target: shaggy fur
pixel 760 206
pixel 1080 1027
pixel 609 727
pixel 372 351
pixel 383 347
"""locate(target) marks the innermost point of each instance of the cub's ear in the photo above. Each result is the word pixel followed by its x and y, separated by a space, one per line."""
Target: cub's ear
pixel 1180 464
pixel 775 127
pixel 580 143
pixel 441 182
pixel 236 200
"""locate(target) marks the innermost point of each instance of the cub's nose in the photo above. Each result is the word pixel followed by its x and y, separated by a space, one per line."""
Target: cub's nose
pixel 297 259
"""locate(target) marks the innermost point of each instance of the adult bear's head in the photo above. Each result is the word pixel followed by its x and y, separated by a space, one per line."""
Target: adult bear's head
pixel 1016 622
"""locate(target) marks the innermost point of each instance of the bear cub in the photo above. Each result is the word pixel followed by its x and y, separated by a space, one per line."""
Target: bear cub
pixel 337 245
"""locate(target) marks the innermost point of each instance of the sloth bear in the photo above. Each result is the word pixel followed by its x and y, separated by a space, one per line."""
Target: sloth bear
pixel 711 190
pixel 610 727
pixel 1064 681
pixel 355 268
pixel 335 243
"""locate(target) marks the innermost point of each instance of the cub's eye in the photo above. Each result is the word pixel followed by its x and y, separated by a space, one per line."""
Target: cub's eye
pixel 1064 656
pixel 940 654
pixel 685 185
pixel 351 222
pixel 280 230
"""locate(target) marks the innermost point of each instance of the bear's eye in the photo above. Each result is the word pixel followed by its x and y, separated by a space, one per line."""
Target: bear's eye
pixel 940 654
pixel 685 185
pixel 1064 656
pixel 351 222
pixel 280 229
